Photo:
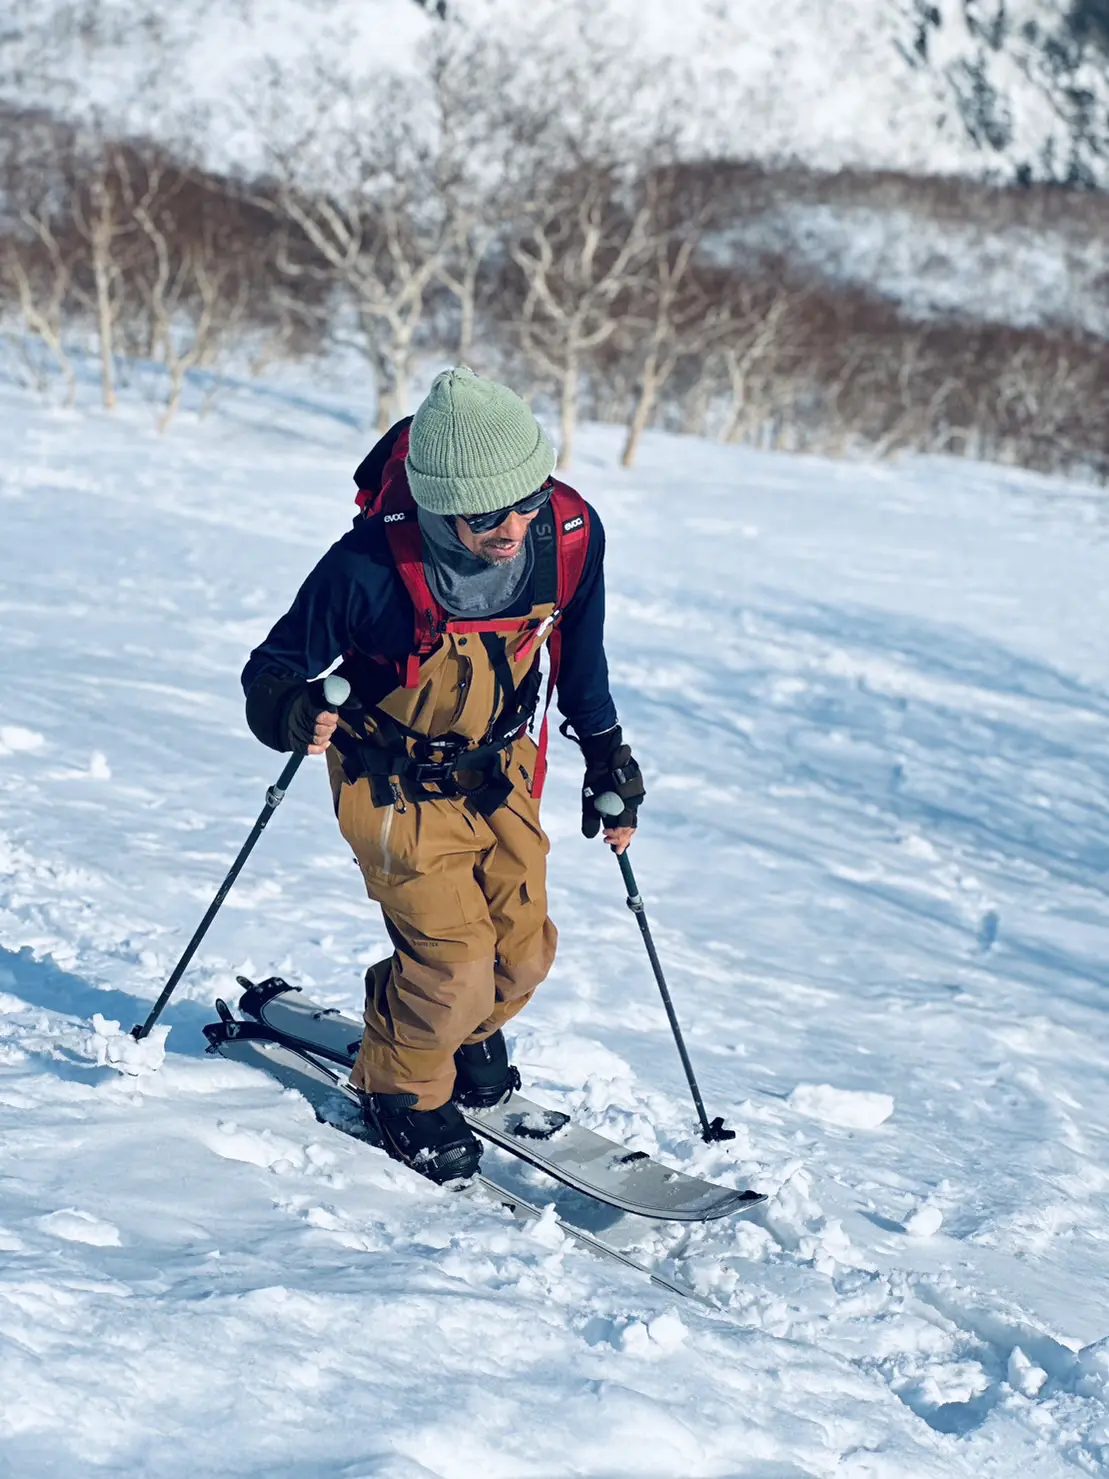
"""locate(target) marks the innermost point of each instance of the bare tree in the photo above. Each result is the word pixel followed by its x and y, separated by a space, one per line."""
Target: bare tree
pixel 676 306
pixel 378 231
pixel 194 281
pixel 377 252
pixel 577 256
pixel 758 309
pixel 291 322
pixel 40 281
pixel 108 185
pixel 472 187
pixel 36 259
pixel 36 270
pixel 1050 404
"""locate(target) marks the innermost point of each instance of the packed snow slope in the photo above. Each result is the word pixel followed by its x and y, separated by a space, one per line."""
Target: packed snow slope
pixel 871 707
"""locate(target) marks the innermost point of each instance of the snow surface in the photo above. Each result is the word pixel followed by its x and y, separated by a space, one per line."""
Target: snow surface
pixel 871 707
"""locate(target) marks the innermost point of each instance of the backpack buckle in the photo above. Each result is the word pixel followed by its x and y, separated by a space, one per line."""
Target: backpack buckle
pixel 436 760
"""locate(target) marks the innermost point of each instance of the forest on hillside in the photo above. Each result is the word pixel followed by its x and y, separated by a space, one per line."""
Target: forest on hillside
pixel 575 241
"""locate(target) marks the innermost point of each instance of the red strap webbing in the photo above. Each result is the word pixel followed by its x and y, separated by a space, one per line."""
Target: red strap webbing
pixel 572 533
pixel 397 508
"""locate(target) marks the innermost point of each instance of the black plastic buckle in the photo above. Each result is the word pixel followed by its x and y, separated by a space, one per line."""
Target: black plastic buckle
pixel 448 751
pixel 439 771
pixel 507 741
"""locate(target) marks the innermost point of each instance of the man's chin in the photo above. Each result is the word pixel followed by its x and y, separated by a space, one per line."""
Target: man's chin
pixel 500 557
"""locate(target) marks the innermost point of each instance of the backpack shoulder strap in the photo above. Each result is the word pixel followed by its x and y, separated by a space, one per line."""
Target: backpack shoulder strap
pixel 370 472
pixel 571 515
pixel 570 518
pixel 394 505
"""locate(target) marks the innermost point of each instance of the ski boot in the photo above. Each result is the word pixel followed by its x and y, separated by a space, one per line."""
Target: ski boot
pixel 436 1142
pixel 484 1075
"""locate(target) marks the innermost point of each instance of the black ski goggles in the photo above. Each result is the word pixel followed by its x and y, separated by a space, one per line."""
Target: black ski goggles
pixel 484 523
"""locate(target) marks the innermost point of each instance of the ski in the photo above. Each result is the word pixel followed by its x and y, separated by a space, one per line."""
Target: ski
pixel 592 1164
pixel 336 1105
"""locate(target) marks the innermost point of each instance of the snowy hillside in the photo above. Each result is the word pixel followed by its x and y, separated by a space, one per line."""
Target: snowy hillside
pixel 871 707
pixel 1002 90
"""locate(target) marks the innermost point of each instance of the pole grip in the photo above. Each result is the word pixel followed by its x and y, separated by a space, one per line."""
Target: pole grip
pixel 609 804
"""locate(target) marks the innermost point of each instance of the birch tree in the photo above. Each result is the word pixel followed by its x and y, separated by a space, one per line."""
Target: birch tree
pixel 676 308
pixel 471 184
pixel 36 256
pixel 195 281
pixel 376 229
pixel 106 186
pixel 36 269
pixel 751 350
pixel 581 247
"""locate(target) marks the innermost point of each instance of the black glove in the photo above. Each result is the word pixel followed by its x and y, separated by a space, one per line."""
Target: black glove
pixel 609 766
pixel 268 702
pixel 281 711
pixel 300 720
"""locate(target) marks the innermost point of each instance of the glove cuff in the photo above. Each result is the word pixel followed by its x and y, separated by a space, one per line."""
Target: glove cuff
pixel 269 702
pixel 598 748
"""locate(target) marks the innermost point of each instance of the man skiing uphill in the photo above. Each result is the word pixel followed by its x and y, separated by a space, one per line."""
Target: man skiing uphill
pixel 469 586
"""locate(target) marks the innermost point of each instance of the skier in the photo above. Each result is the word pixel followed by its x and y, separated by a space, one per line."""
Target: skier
pixel 469 588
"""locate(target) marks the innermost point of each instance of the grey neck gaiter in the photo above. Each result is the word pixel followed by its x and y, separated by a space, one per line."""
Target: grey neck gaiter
pixel 462 584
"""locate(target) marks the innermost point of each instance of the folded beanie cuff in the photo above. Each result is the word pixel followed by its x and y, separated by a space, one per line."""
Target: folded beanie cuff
pixel 454 494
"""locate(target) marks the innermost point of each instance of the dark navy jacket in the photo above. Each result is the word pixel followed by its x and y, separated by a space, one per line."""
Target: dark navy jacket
pixel 354 600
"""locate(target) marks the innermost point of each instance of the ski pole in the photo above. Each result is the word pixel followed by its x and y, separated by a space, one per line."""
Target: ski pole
pixel 610 805
pixel 336 690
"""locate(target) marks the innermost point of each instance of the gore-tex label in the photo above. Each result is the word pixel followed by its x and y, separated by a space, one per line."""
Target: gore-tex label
pixel 572 524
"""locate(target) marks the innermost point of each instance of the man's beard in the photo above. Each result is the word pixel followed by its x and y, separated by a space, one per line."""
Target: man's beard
pixel 486 555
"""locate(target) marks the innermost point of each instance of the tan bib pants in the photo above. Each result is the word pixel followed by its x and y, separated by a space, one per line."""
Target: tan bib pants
pixel 464 896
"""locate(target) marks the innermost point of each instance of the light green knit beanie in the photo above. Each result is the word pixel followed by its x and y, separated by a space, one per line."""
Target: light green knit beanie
pixel 474 446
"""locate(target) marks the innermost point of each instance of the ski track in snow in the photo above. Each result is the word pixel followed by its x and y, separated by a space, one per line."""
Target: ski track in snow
pixel 871 708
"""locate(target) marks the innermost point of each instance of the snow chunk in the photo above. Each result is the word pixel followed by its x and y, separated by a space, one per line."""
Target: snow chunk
pixel 667 1330
pixel 947 1383
pixel 546 1230
pixel 855 1109
pixel 14 738
pixel 270 1151
pixel 114 1048
pixel 924 1222
pixel 1092 1370
pixel 76 1226
pixel 1024 1377
pixel 97 769
pixel 651 1337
